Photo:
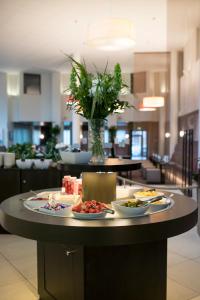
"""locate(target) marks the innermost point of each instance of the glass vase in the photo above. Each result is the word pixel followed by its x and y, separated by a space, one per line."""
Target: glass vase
pixel 96 140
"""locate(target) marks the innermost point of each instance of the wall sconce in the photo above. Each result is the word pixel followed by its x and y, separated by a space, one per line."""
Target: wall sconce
pixel 167 135
pixel 181 133
pixel 42 136
pixel 126 136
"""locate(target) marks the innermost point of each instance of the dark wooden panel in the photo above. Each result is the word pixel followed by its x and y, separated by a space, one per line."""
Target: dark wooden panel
pixel 126 272
pixel 9 183
pixel 39 179
pixel 139 82
pixel 61 272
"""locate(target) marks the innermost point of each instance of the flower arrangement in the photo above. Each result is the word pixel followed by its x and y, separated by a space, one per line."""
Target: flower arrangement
pixel 95 97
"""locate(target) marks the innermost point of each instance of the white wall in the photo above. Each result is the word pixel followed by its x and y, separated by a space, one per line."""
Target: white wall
pixel 50 105
pixel 31 108
pixel 190 81
pixel 3 110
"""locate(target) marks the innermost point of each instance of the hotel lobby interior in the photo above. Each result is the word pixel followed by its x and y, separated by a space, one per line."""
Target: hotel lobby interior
pixel 99 150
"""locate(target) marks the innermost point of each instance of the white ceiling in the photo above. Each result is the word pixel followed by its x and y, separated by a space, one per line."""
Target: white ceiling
pixel 35 34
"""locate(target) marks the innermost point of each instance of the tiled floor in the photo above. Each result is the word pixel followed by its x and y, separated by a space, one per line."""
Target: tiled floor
pixel 18 267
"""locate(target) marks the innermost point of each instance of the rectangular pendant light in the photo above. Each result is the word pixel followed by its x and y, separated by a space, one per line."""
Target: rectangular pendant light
pixel 153 101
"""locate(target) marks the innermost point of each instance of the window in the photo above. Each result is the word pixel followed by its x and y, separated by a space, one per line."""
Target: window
pixel 30 132
pixel 67 133
pixel 139 144
pixel 121 135
pixel 106 136
pixel 36 135
pixel 32 84
pixel 22 133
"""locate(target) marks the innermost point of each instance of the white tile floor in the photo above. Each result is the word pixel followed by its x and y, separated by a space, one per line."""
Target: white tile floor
pixel 18 267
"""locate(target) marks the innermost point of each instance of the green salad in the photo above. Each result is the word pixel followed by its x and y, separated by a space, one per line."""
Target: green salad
pixel 133 203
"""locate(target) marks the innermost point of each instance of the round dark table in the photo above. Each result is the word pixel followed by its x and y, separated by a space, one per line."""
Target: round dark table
pixel 109 165
pixel 100 259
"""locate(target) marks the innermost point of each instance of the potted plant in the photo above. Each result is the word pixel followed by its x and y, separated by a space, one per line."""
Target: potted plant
pixel 95 97
pixel 24 154
pixel 50 153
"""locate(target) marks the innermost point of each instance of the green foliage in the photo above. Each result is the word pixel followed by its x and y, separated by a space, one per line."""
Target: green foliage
pixel 95 96
pixel 51 152
pixel 55 131
pixel 23 151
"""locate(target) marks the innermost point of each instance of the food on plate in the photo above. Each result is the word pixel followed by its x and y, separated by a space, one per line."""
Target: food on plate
pixel 55 206
pixel 162 201
pixel 133 203
pixel 146 194
pixel 89 207
pixel 38 199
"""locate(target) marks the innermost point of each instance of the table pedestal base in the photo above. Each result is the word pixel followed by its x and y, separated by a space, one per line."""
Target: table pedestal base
pixel 134 272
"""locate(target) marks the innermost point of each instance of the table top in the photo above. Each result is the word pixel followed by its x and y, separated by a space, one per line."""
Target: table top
pixel 109 165
pixel 18 220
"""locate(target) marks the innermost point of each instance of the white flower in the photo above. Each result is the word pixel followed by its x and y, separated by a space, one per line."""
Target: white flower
pixel 124 91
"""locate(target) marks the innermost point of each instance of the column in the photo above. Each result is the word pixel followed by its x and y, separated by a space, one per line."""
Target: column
pixel 3 110
pixel 174 85
pixel 56 98
pixel 75 128
pixel 75 117
pixel 161 145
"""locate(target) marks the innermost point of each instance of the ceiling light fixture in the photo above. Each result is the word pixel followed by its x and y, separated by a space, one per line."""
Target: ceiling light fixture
pixel 153 101
pixel 142 108
pixel 112 34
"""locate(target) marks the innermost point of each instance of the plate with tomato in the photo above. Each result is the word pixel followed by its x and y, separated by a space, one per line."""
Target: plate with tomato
pixel 90 210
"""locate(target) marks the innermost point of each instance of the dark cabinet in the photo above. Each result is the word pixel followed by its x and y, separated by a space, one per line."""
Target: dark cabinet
pixel 60 271
pixel 39 179
pixel 9 183
pixel 15 181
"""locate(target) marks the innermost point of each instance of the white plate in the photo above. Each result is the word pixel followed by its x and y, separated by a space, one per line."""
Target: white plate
pixel 60 197
pixel 128 211
pixel 34 204
pixel 63 212
pixel 38 206
pixel 46 194
pixel 143 198
pixel 126 191
pixel 156 207
pixel 89 216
